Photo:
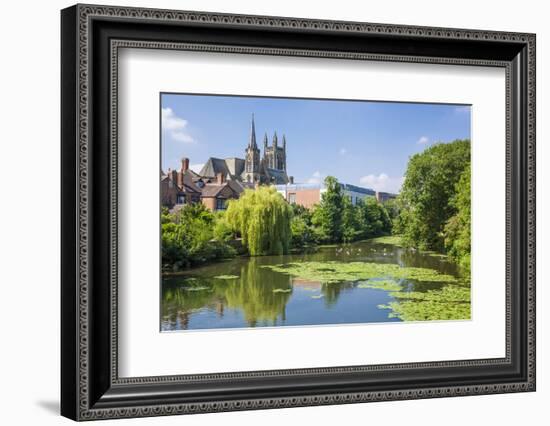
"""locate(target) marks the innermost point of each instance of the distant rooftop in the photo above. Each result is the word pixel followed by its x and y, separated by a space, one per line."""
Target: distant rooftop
pixel 345 186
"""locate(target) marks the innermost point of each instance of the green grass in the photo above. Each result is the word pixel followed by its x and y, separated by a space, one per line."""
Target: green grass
pixel 395 240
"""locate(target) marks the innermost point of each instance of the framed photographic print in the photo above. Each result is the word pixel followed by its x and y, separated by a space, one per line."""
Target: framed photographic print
pixel 263 212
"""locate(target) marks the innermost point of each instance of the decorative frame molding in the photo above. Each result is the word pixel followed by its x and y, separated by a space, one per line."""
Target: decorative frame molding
pixel 91 37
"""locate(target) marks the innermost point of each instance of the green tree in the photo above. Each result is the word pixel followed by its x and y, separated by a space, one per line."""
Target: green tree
pixel 327 217
pixel 430 185
pixel 458 227
pixel 373 219
pixel 187 238
pixel 301 227
pixel 262 217
pixel 222 228
pixel 350 223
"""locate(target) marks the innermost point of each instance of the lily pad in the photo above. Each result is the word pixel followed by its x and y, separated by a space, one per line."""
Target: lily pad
pixel 388 285
pixel 335 272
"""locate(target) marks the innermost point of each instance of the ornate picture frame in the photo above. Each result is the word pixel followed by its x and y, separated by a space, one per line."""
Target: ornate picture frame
pixel 91 37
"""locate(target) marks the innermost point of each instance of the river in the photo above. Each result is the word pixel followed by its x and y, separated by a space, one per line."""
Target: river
pixel 246 292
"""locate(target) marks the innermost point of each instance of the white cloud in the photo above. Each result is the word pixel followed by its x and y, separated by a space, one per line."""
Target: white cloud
pixel 462 109
pixel 315 178
pixel 196 167
pixel 174 126
pixel 182 137
pixel 343 151
pixel 423 140
pixel 382 182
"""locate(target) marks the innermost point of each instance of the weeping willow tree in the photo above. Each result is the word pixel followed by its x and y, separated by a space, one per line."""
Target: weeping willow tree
pixel 262 217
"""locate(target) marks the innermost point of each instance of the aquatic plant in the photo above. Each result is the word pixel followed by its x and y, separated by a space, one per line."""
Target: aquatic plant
pixel 388 285
pixel 226 277
pixel 335 272
pixel 451 302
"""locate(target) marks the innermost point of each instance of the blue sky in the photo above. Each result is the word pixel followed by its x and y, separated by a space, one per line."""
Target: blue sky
pixel 361 143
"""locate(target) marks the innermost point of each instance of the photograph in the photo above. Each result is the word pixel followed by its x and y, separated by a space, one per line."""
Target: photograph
pixel 348 206
pixel 282 212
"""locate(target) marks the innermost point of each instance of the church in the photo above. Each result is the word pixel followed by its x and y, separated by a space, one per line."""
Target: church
pixel 253 169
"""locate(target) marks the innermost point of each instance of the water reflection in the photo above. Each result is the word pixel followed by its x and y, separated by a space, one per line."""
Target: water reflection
pixel 241 293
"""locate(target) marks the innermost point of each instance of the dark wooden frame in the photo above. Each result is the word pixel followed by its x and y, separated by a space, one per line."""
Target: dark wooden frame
pixel 90 386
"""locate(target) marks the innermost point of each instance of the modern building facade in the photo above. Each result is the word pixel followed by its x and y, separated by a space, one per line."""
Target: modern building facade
pixel 309 194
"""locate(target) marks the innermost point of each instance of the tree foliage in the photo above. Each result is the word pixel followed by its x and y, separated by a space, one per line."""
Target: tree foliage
pixel 336 219
pixel 327 217
pixel 187 238
pixel 458 227
pixel 262 217
pixel 302 230
pixel 429 188
pixel 373 219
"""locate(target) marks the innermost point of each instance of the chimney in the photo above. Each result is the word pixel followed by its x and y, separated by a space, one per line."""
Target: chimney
pixel 220 178
pixel 184 164
pixel 291 179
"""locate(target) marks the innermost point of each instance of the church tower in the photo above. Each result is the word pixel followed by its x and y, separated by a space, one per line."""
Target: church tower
pixel 252 157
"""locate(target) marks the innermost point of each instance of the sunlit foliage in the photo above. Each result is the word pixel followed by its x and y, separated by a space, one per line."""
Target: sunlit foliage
pixel 262 218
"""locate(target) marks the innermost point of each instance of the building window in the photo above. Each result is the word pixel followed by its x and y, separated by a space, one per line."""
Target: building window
pixel 220 204
pixel 180 199
pixel 292 198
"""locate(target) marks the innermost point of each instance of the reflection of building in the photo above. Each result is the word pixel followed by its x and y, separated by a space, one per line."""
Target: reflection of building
pixel 309 194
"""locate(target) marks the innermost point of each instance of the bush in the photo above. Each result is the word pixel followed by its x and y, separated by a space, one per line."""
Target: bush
pixel 188 238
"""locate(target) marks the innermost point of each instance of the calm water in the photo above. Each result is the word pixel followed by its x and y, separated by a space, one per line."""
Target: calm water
pixel 249 301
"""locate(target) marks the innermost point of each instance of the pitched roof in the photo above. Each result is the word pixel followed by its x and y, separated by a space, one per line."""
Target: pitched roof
pixel 278 177
pixel 189 179
pixel 235 166
pixel 214 166
pixel 229 167
pixel 214 189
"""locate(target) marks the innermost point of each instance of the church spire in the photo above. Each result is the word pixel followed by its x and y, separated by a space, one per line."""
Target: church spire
pixel 265 141
pixel 252 141
pixel 284 142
